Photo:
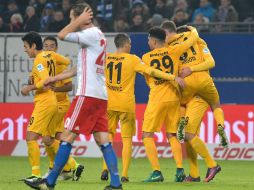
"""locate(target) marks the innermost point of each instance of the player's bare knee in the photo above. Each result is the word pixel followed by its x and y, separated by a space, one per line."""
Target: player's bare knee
pixel 68 136
pixel 216 105
pixel 147 135
pixel 58 136
pixel 101 138
pixel 31 136
pixel 47 140
pixel 189 136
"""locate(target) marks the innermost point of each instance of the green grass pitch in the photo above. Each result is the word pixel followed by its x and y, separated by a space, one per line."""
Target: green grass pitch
pixel 235 175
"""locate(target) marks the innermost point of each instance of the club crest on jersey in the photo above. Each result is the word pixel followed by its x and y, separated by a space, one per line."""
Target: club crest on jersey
pixel 40 67
pixel 206 50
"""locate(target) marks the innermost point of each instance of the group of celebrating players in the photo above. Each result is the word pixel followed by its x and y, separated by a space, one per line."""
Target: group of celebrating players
pixel 181 89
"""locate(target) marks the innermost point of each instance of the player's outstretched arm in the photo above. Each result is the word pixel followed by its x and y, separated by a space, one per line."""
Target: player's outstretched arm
pixel 65 88
pixel 64 75
pixel 142 68
pixel 85 17
pixel 28 88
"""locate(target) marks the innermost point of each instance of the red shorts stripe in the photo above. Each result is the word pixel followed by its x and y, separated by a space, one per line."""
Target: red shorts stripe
pixel 87 115
pixel 76 111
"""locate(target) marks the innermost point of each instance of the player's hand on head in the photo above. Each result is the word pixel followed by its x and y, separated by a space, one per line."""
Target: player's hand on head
pixel 87 15
pixel 180 82
pixel 186 71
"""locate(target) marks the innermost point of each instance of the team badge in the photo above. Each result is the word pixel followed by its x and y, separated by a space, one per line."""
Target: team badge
pixel 40 67
pixel 206 50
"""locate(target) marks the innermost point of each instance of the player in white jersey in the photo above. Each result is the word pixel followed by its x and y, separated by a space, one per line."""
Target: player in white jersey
pixel 87 113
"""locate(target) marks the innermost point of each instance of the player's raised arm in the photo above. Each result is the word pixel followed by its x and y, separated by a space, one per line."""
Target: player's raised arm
pixel 76 22
pixel 182 47
pixel 60 59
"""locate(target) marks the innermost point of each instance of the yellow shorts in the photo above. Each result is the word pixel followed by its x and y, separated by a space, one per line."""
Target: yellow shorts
pixel 42 120
pixel 159 113
pixel 195 111
pixel 59 118
pixel 127 122
pixel 200 83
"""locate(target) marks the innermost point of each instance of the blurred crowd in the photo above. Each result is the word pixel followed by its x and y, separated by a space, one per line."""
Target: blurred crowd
pixel 121 15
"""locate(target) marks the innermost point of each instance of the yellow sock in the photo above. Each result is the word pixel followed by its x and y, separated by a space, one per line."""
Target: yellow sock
pixel 199 146
pixel 51 156
pixel 126 155
pixel 151 153
pixel 219 116
pixel 104 165
pixel 71 164
pixel 193 160
pixel 34 157
pixel 177 151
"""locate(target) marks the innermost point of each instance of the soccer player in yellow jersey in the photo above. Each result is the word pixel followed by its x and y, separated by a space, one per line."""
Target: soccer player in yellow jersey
pixel 45 102
pixel 197 59
pixel 120 71
pixel 61 88
pixel 164 100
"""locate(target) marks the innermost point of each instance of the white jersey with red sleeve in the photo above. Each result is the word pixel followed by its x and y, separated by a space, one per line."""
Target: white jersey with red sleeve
pixel 91 60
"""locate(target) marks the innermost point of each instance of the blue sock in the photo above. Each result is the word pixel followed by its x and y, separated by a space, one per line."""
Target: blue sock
pixel 60 161
pixel 111 161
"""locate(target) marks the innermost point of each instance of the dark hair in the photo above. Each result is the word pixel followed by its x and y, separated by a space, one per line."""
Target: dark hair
pixel 52 38
pixel 33 38
pixel 121 39
pixel 169 26
pixel 158 33
pixel 179 10
pixel 79 7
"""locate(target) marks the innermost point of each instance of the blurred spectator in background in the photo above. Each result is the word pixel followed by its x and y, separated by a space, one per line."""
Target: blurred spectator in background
pixel 137 25
pixel 120 25
pixel 180 17
pixel 66 6
pixel 12 9
pixel 226 12
pixel 31 23
pixel 16 24
pixel 140 8
pixel 163 9
pixel 183 5
pixel 47 17
pixel 200 22
pixel 39 6
pixel 121 9
pixel 156 20
pixel 104 14
pixel 3 27
pixel 206 9
pixel 58 23
pixel 245 9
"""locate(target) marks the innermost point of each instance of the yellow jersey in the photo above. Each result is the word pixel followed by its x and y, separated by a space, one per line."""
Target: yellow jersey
pixel 120 73
pixel 195 55
pixel 62 96
pixel 45 64
pixel 192 55
pixel 167 60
